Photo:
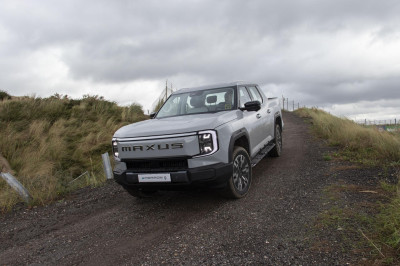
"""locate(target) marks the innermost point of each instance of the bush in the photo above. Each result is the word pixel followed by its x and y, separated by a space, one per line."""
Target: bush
pixel 4 95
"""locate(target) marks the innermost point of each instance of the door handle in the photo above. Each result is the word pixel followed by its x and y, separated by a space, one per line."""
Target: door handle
pixel 268 111
pixel 258 116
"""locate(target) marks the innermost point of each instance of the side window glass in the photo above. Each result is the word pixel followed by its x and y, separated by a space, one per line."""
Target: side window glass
pixel 255 94
pixel 243 96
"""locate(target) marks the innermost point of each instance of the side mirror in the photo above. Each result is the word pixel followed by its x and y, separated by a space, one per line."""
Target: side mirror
pixel 152 115
pixel 251 106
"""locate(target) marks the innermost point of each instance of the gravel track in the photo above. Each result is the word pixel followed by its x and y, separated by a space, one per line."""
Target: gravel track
pixel 273 225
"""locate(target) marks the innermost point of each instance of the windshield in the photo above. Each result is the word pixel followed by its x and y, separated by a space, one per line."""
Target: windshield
pixel 197 102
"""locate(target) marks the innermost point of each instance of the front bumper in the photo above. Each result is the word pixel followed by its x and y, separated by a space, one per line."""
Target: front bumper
pixel 215 175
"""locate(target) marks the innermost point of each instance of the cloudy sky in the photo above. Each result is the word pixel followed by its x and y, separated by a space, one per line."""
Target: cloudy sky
pixel 342 55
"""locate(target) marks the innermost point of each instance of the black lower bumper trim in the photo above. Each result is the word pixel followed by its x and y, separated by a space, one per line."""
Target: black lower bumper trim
pixel 215 175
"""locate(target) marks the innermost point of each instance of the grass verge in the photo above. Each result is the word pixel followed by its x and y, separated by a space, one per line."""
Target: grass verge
pixel 49 142
pixel 357 143
pixel 374 223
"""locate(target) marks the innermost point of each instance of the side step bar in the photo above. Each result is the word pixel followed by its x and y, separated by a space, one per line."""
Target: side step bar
pixel 264 151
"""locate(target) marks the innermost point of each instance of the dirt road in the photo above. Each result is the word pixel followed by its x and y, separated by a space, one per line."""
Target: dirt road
pixel 273 225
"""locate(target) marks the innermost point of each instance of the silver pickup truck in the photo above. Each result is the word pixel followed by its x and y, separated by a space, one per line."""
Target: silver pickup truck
pixel 206 136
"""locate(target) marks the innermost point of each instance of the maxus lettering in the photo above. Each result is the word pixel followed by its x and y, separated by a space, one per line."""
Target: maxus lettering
pixel 152 147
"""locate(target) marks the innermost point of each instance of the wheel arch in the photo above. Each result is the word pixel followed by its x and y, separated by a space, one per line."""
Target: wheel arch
pixel 239 138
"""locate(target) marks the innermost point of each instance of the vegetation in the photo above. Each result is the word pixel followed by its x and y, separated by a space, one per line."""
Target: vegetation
pixel 51 141
pixel 4 95
pixel 358 143
pixel 366 145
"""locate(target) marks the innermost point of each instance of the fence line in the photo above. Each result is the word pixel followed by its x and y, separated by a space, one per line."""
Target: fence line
pixel 377 122
pixel 291 105
pixel 391 125
pixel 165 93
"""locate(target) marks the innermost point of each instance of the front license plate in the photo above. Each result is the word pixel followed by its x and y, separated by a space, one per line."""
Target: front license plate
pixel 151 178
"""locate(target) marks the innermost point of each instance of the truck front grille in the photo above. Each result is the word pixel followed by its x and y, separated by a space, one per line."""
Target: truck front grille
pixel 157 165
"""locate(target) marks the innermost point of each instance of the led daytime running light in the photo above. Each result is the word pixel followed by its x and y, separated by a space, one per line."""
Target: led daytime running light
pixel 208 143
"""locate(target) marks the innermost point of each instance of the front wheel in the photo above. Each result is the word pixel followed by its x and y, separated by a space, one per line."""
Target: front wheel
pixel 239 183
pixel 277 150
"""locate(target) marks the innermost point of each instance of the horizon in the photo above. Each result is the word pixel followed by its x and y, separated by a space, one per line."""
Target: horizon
pixel 395 120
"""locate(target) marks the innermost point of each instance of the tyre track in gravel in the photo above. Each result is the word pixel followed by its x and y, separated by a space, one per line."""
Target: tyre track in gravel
pixel 103 226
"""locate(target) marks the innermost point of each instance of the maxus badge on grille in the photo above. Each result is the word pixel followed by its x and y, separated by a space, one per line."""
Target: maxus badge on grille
pixel 152 147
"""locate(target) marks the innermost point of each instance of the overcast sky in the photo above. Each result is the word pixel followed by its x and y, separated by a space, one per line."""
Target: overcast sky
pixel 342 55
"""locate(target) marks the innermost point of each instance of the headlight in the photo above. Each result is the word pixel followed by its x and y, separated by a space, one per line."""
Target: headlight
pixel 208 143
pixel 115 150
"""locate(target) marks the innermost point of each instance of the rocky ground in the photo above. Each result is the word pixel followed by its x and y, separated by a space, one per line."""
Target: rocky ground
pixel 282 221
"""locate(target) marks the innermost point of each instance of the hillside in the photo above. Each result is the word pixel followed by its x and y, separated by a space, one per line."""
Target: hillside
pixel 48 142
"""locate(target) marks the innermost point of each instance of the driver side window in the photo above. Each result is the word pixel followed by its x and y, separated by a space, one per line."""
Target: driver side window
pixel 244 96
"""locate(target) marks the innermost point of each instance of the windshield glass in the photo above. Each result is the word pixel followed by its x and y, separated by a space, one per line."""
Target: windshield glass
pixel 196 102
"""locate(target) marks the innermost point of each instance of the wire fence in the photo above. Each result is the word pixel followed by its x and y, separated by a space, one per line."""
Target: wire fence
pixel 290 105
pixel 165 93
pixel 391 125
pixel 389 128
pixel 377 122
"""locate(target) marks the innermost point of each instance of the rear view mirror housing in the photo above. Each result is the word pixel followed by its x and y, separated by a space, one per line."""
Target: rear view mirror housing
pixel 251 106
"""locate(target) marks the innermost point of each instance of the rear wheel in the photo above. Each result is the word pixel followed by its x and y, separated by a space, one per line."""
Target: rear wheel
pixel 277 150
pixel 239 183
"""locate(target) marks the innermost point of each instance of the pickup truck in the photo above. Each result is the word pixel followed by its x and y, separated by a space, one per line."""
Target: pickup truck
pixel 205 136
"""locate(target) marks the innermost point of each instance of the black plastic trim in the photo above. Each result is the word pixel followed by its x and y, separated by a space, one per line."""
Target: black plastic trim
pixel 235 136
pixel 215 175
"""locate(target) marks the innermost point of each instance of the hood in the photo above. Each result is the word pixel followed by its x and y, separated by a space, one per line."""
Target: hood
pixel 176 125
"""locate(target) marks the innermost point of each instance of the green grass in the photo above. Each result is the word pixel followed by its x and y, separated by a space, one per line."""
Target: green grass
pixel 357 143
pixel 369 147
pixel 48 142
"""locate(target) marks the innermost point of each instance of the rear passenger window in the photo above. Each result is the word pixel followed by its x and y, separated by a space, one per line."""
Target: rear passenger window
pixel 255 94
pixel 243 96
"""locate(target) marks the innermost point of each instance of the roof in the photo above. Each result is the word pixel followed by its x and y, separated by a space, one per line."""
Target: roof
pixel 213 86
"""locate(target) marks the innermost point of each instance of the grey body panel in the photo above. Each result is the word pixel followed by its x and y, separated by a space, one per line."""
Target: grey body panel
pixel 176 124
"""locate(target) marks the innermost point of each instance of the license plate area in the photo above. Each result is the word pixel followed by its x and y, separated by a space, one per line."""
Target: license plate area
pixel 154 178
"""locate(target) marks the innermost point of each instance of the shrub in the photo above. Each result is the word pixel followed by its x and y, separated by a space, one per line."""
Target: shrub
pixel 4 95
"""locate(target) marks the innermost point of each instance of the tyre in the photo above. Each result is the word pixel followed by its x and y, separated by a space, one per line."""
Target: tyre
pixel 239 183
pixel 139 193
pixel 277 150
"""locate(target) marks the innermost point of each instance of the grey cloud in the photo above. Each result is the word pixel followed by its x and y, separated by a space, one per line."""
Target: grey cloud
pixel 121 41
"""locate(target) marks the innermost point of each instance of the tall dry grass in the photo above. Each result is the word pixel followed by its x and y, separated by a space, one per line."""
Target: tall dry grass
pixel 357 143
pixel 51 141
pixel 372 147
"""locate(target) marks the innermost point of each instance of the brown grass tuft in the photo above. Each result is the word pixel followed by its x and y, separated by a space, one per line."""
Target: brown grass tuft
pixel 49 142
